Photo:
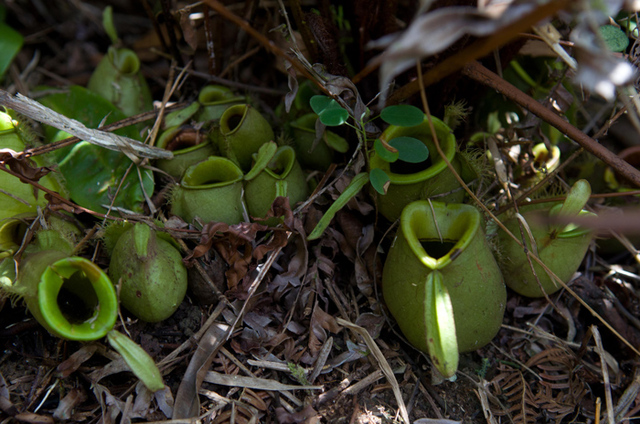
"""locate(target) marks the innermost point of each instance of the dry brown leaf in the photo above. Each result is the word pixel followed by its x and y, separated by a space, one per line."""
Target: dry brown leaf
pixel 187 403
pixel 443 27
pixel 307 415
pixel 31 418
pixel 68 403
pixel 320 321
pixel 188 29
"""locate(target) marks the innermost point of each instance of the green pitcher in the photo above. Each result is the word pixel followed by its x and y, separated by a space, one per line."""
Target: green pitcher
pixel 408 181
pixel 282 176
pixel 560 248
pixel 210 190
pixel 544 162
pixel 119 80
pixel 215 99
pixel 212 101
pixel 70 296
pixel 189 146
pixel 319 157
pixel 17 197
pixel 442 248
pixel 149 266
pixel 242 131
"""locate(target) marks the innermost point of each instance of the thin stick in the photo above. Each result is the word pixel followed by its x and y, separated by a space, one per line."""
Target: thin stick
pixel 605 374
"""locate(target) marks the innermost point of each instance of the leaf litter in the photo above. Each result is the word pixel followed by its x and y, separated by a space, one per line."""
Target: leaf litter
pixel 298 333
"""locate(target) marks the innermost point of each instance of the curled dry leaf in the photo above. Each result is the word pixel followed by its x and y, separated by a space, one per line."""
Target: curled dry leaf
pixel 307 415
pixel 443 27
pixel 65 408
pixel 23 166
pixel 321 322
pixel 235 244
pixel 292 81
pixel 598 70
pixel 188 29
pixel 73 362
pixel 164 400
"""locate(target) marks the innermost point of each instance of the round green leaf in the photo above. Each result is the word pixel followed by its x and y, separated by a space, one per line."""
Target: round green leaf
pixel 402 115
pixel 333 117
pixel 410 149
pixel 92 173
pixel 319 103
pixel 329 111
pixel 615 38
pixel 379 180
pixel 384 153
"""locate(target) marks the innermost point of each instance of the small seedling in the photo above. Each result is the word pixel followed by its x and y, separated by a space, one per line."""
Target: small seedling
pixel 406 149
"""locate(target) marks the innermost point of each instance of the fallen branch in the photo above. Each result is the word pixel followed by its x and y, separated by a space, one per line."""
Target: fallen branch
pixel 38 112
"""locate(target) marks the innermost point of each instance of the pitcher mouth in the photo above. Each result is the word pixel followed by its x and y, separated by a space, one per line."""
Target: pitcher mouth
pixel 454 224
pixel 232 118
pixel 186 139
pixel 282 163
pixel 210 173
pixel 434 164
pixel 77 300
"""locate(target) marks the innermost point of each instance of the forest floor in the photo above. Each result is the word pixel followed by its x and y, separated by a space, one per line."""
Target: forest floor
pixel 279 329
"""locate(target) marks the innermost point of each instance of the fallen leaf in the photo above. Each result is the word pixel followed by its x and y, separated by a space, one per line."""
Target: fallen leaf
pixel 68 403
pixel 307 415
pixel 442 28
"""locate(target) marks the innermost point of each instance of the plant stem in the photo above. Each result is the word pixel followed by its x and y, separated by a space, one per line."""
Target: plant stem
pixel 477 72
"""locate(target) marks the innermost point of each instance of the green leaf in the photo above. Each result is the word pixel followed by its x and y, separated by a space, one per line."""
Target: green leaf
pixel 574 203
pixel 402 115
pixel 319 103
pixel 266 152
pixel 329 111
pixel 107 24
pixel 384 153
pixel 493 123
pixel 410 149
pixel 630 26
pixel 10 44
pixel 92 174
pixel 352 189
pixel 379 180
pixel 138 360
pixel 179 117
pixel 337 143
pixel 615 38
pixel 442 341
